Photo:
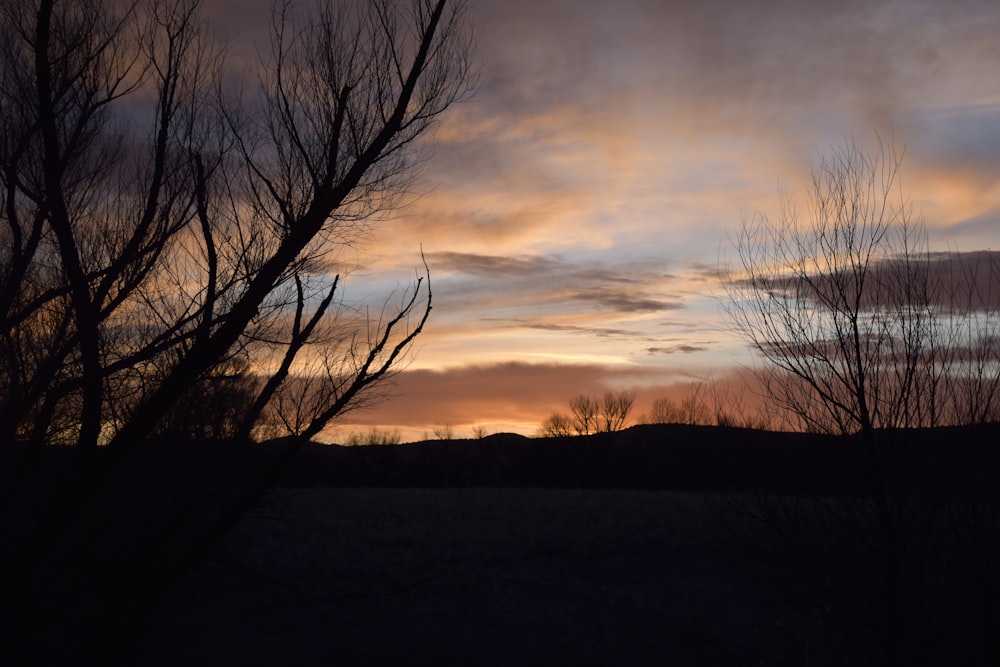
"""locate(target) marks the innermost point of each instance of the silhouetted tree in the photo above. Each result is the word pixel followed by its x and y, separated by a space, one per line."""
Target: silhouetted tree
pixel 557 425
pixel 216 407
pixel 865 331
pixel 693 408
pixel 614 410
pixel 591 415
pixel 585 410
pixel 445 432
pixel 155 226
pixel 373 437
pixel 861 326
pixel 707 403
pixel 172 231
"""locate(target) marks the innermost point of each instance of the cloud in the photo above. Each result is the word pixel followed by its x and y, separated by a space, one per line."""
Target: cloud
pixel 492 266
pixel 652 126
pixel 512 393
pixel 519 396
pixel 624 303
pixel 673 349
pixel 489 281
pixel 980 229
pixel 505 392
pixel 717 55
pixel 965 137
pixel 577 206
pixel 600 332
pixel 949 281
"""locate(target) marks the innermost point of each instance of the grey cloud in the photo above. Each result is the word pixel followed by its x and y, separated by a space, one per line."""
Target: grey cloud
pixel 985 225
pixel 673 349
pixel 493 265
pixel 772 60
pixel 703 273
pixel 551 280
pixel 964 139
pixel 624 302
pixel 600 332
pixel 555 270
pixel 969 280
pixel 533 266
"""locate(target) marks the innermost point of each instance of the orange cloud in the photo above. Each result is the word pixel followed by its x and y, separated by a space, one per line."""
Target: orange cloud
pixel 518 397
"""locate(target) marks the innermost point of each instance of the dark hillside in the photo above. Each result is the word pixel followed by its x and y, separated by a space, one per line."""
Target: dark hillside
pixel 669 457
pixel 654 457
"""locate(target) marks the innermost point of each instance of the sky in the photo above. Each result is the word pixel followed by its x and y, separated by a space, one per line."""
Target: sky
pixel 575 212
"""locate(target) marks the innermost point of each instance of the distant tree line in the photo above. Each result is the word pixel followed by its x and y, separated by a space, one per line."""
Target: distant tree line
pixel 702 402
pixel 706 402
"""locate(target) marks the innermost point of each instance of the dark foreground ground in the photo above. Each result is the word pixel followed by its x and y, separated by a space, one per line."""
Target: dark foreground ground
pixel 476 576
pixel 659 545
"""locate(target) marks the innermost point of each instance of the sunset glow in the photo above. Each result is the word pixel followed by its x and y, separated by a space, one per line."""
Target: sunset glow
pixel 575 211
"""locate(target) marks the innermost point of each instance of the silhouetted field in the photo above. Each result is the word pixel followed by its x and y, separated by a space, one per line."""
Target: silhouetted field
pixel 655 545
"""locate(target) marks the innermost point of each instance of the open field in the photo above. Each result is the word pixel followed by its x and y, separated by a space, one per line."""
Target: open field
pixel 544 576
pixel 475 576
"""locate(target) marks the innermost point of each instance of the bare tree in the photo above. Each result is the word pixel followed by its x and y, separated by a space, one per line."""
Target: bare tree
pixel 851 311
pixel 865 331
pixel 614 410
pixel 591 415
pixel 373 437
pixel 156 226
pixel 693 408
pixel 445 432
pixel 707 402
pixel 585 410
pixel 557 425
pixel 172 232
